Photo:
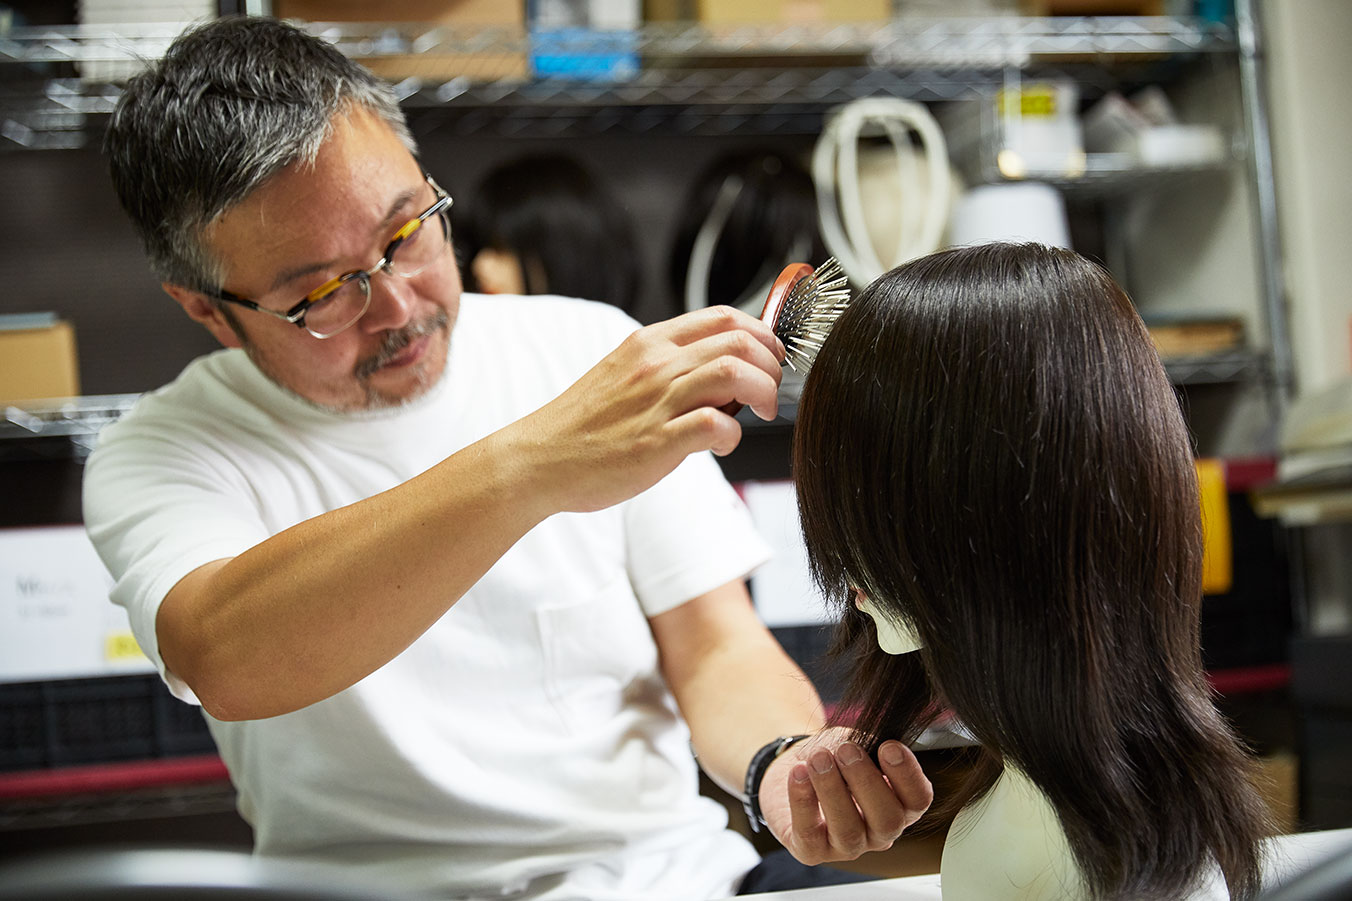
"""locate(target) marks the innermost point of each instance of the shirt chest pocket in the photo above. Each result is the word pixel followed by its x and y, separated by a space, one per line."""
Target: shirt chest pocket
pixel 597 654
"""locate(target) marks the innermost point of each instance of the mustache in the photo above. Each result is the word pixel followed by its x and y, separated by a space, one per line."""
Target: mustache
pixel 395 341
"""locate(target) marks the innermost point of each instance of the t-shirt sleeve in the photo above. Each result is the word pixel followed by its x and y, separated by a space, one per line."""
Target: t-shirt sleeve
pixel 156 511
pixel 689 534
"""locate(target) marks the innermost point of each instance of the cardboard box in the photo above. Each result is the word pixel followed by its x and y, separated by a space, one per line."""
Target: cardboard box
pixel 1093 7
pixel 1177 337
pixel 38 363
pixel 747 12
pixel 490 64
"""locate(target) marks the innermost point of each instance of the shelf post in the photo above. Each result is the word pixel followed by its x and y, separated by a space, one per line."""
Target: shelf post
pixel 1253 90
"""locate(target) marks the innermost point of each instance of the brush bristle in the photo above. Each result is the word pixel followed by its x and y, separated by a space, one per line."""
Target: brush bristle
pixel 810 310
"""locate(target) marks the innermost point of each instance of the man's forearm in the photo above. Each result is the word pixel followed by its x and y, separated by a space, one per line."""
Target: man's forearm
pixel 736 686
pixel 317 607
pixel 770 697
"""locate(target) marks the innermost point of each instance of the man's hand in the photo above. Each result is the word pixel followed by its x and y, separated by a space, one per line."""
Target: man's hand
pixel 652 401
pixel 825 800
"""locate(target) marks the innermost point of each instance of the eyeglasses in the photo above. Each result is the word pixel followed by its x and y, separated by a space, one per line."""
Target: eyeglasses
pixel 341 301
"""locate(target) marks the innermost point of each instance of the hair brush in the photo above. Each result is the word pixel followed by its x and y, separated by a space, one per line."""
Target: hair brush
pixel 803 306
pixel 801 310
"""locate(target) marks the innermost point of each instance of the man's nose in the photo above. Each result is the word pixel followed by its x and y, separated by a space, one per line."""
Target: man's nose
pixel 392 303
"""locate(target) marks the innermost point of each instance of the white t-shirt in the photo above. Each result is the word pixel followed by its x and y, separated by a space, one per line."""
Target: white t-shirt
pixel 526 743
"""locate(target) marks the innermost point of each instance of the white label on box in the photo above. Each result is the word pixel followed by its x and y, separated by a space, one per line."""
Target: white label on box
pixel 782 589
pixel 56 621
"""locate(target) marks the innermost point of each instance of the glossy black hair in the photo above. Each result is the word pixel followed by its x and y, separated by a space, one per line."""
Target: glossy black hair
pixel 561 224
pixel 774 213
pixel 988 446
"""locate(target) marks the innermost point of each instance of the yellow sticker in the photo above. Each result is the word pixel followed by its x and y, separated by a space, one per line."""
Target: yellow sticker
pixel 1034 101
pixel 122 646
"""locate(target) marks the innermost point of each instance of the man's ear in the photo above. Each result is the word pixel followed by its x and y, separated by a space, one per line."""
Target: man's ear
pixel 200 308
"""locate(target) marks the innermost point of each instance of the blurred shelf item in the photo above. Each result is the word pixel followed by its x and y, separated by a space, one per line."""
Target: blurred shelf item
pixel 1250 679
pixel 1114 175
pixel 102 750
pixel 1313 483
pixel 1313 499
pixel 62 428
pixel 115 793
pixel 56 83
pixel 967 42
pixel 1030 129
pixel 1195 335
pixel 98 778
pixel 1210 369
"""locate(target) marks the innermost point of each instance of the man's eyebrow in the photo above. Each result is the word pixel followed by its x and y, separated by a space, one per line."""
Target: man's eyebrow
pixel 381 231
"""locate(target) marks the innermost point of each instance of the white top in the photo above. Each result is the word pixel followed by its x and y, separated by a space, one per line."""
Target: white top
pixel 525 746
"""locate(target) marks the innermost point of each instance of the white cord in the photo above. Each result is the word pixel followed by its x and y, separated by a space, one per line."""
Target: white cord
pixel 706 240
pixel 835 163
pixel 701 261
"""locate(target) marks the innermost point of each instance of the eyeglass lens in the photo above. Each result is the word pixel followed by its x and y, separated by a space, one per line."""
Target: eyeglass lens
pixel 345 305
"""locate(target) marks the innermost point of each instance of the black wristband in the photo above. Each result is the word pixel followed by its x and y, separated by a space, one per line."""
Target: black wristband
pixel 755 772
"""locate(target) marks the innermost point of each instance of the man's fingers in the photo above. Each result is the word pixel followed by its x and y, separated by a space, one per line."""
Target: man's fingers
pixel 842 805
pixel 740 344
pixel 846 833
pixel 717 357
pixel 721 359
pixel 691 327
pixel 885 815
pixel 725 379
pixel 908 780
pixel 706 428
pixel 807 831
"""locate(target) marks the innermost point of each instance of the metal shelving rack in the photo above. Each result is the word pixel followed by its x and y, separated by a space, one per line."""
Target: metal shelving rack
pixel 58 84
pixel 54 81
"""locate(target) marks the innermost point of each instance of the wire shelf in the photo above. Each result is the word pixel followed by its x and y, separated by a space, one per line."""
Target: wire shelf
pixel 66 428
pixel 57 83
pixel 1112 175
pixel 907 42
pixel 1220 368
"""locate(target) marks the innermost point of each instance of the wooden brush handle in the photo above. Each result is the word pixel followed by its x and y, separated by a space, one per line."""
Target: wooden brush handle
pixel 789 276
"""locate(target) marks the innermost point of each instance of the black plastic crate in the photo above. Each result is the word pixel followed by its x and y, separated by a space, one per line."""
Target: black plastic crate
pixel 23 735
pixel 97 720
pixel 179 727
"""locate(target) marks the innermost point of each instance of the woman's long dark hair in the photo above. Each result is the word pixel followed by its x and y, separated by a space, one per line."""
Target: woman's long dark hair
pixel 988 446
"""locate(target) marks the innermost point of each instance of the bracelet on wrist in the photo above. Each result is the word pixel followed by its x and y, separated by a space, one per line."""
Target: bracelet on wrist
pixel 755 772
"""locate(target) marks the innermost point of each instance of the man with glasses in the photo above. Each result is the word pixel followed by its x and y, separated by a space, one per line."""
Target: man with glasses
pixel 452 578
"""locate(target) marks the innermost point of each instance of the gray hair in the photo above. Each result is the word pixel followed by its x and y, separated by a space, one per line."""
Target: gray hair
pixel 231 103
